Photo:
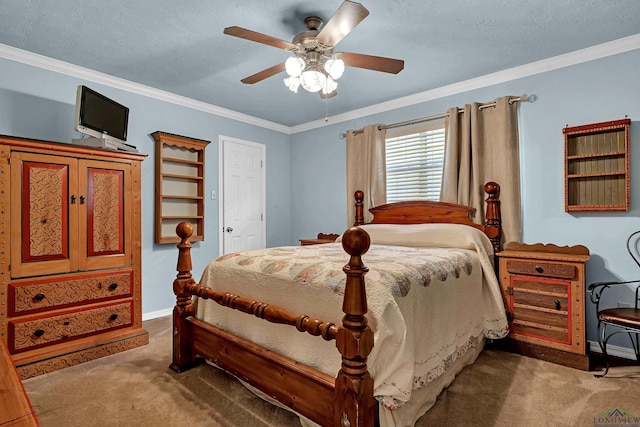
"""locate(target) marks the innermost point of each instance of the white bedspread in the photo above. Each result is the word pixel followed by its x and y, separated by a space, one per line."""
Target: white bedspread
pixel 431 290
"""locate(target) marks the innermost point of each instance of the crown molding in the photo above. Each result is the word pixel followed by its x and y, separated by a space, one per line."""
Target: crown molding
pixel 603 50
pixel 57 66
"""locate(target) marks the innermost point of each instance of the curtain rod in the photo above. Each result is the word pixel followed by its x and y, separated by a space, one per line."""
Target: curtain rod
pixel 521 98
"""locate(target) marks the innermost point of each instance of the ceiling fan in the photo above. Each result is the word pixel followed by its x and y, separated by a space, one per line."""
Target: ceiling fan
pixel 314 64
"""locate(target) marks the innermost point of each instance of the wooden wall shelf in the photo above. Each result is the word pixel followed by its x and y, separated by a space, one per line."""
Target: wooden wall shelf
pixel 597 166
pixel 179 185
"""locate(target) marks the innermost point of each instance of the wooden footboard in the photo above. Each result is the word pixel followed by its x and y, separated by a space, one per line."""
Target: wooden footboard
pixel 346 400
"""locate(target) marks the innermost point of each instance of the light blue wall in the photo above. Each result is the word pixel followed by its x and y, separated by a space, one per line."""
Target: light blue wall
pixel 306 171
pixel 596 91
pixel 40 104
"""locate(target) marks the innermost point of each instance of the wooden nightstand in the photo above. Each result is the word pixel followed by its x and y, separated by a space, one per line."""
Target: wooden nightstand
pixel 543 287
pixel 322 238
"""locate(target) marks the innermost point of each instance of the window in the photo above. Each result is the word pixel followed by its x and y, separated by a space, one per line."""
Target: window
pixel 414 162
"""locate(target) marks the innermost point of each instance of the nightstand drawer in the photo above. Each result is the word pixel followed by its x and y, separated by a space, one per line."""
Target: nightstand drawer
pixel 546 269
pixel 36 332
pixel 33 295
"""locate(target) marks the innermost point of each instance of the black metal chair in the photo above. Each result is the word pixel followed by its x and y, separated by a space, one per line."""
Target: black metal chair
pixel 623 319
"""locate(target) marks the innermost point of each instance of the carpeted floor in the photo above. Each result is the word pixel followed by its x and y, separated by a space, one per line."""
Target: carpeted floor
pixel 136 388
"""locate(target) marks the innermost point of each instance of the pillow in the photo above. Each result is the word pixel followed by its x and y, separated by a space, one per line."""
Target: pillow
pixel 427 235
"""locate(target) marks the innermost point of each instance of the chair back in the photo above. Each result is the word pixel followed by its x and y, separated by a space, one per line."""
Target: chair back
pixel 632 248
pixel 634 244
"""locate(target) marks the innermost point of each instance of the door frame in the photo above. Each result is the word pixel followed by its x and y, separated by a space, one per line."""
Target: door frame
pixel 262 147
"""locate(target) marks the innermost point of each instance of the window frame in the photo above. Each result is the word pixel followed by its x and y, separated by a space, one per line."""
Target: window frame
pixel 424 188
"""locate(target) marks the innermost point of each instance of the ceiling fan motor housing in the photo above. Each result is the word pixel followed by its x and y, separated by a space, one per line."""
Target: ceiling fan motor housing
pixel 313 23
pixel 306 42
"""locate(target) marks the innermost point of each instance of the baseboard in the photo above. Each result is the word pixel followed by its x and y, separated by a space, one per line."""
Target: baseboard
pixel 613 350
pixel 157 314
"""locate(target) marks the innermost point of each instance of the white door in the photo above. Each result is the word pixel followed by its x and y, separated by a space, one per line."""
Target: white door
pixel 243 195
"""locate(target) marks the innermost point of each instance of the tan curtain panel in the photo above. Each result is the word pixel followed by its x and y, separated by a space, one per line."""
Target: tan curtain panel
pixel 481 146
pixel 366 169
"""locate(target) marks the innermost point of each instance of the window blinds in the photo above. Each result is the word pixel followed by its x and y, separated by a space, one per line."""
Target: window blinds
pixel 414 165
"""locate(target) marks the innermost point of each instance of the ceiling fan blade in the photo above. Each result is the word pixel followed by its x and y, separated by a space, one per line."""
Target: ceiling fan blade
pixel 345 19
pixel 264 74
pixel 376 63
pixel 253 36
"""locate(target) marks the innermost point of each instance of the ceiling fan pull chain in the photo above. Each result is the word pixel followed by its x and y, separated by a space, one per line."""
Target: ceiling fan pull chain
pixel 326 110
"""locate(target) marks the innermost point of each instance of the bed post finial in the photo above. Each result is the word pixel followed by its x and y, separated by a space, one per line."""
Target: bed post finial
pixel 355 404
pixel 492 218
pixel 359 196
pixel 184 230
pixel 182 356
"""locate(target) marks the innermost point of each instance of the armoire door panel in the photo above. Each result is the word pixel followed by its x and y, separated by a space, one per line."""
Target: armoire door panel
pixel 106 187
pixel 105 221
pixel 43 220
pixel 45 232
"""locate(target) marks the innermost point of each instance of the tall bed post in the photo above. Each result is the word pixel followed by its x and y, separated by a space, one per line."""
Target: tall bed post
pixel 355 405
pixel 359 196
pixel 492 216
pixel 183 357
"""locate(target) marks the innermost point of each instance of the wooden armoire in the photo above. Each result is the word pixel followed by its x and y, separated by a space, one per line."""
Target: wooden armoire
pixel 70 253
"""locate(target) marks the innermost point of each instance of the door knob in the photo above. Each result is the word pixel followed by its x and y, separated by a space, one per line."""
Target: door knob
pixel 229 229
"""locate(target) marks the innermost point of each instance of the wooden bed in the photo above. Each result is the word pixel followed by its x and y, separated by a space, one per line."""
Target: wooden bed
pixel 346 400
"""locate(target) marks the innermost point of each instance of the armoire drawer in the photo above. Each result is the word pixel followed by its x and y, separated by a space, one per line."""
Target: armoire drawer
pixel 27 296
pixel 39 331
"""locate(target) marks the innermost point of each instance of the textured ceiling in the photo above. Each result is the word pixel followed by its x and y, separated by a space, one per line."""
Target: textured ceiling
pixel 179 47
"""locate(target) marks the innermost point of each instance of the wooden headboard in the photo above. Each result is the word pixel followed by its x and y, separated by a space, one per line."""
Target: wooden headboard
pixel 426 212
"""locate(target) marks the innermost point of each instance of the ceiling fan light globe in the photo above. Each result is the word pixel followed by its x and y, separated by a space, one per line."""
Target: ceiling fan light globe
pixel 312 80
pixel 335 68
pixel 329 86
pixel 294 66
pixel 293 83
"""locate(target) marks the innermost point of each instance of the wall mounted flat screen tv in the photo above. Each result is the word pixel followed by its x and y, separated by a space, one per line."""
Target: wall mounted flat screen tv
pixel 99 116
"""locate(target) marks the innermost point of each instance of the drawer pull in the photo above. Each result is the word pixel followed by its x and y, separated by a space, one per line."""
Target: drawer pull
pixel 539 269
pixel 113 286
pixel 557 304
pixel 38 332
pixel 113 317
pixel 39 297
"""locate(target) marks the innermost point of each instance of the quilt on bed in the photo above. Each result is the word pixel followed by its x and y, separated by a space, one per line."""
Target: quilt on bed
pixel 428 305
